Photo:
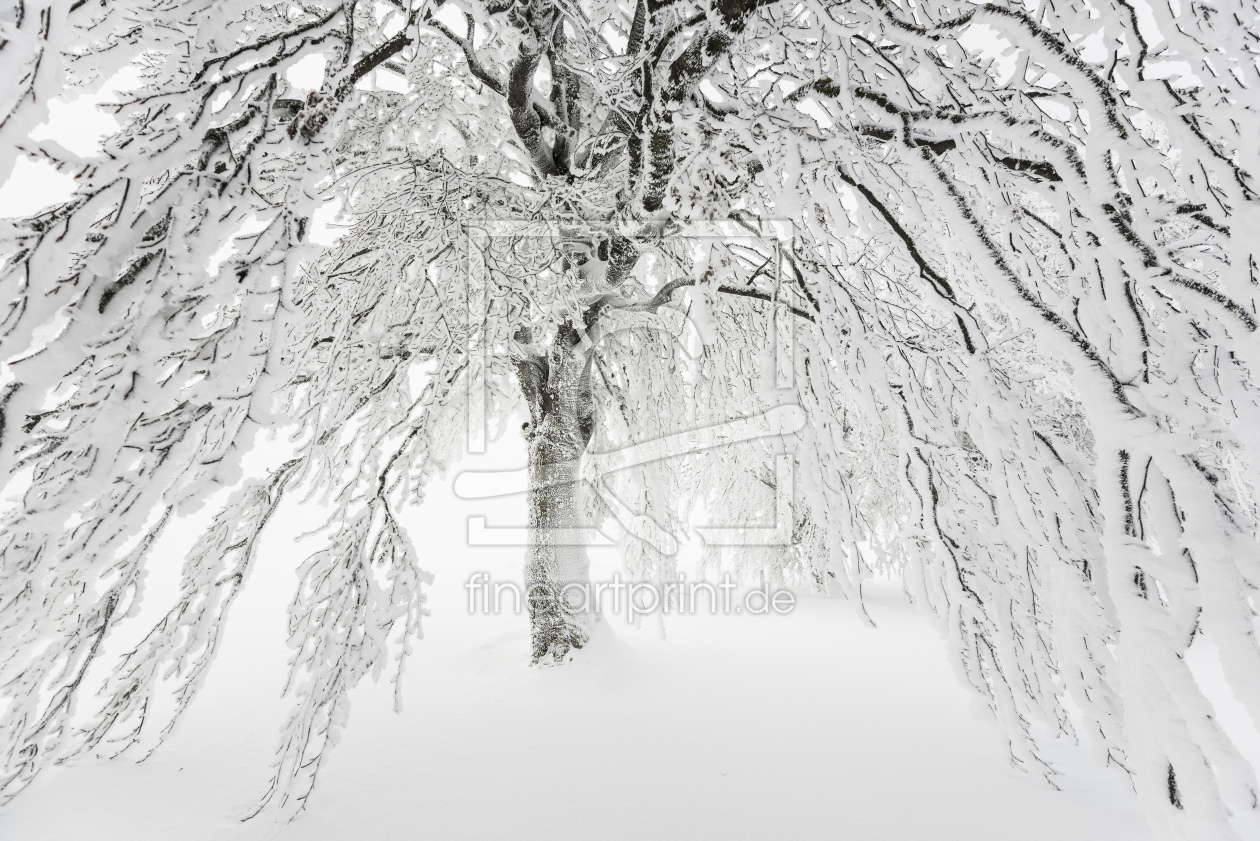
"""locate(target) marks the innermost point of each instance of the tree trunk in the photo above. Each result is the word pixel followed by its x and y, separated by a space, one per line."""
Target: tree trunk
pixel 557 578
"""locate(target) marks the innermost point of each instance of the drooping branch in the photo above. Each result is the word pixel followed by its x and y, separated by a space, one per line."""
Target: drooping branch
pixel 470 54
pixel 666 292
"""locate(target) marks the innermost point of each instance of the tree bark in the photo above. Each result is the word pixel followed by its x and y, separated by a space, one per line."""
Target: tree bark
pixel 557 388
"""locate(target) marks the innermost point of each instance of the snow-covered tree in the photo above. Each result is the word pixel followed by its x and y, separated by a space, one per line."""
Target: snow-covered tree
pixel 1001 256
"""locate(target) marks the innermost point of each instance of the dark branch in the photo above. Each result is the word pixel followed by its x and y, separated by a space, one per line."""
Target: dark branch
pixel 470 55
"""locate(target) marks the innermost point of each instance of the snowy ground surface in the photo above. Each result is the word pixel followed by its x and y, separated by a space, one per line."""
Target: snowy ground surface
pixel 805 726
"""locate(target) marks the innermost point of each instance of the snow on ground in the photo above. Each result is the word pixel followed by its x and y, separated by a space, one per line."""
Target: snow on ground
pixel 810 725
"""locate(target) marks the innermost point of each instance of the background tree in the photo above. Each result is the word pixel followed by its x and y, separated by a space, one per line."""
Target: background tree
pixel 1021 285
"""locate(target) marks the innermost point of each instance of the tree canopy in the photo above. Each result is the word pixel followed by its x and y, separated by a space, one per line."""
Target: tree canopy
pixel 1002 255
